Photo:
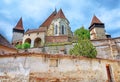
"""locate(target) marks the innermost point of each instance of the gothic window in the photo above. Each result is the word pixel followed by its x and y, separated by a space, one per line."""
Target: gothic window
pixel 56 29
pixel 63 29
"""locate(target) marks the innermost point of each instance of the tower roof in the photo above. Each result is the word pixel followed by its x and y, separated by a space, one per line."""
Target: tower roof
pixel 60 14
pixel 19 25
pixel 95 20
pixel 48 21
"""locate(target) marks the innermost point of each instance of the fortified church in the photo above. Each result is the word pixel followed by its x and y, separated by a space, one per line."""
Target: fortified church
pixel 54 29
pixel 43 63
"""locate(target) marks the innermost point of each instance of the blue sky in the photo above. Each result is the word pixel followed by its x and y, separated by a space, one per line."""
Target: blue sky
pixel 78 12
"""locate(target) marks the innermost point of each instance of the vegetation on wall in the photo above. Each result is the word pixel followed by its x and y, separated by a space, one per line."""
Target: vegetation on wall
pixel 83 47
pixel 26 45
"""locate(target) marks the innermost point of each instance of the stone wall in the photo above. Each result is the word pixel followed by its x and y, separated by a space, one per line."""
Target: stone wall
pixel 59 68
pixel 106 48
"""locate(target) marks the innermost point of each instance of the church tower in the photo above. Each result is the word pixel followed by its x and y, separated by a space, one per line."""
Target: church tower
pixel 97 29
pixel 18 32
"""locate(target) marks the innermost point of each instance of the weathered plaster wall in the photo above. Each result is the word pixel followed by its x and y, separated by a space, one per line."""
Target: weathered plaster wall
pixel 59 67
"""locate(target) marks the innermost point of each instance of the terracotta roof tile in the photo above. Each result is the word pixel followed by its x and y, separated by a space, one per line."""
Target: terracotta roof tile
pixel 19 25
pixel 95 20
pixel 4 42
pixel 42 29
pixel 60 14
pixel 48 21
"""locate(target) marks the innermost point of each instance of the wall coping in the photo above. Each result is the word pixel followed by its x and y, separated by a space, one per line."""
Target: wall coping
pixel 51 56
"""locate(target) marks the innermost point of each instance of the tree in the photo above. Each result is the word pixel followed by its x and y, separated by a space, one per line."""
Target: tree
pixel 82 33
pixel 83 47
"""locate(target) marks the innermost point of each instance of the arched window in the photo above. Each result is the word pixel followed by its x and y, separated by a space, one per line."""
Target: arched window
pixel 56 29
pixel 63 29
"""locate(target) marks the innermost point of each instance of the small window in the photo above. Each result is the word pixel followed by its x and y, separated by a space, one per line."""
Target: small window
pixel 53 63
pixel 28 34
pixel 63 29
pixel 56 29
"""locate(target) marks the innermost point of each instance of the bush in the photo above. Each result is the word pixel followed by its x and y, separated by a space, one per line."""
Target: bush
pixel 26 45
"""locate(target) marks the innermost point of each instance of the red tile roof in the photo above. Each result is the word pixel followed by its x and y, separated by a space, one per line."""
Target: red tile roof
pixel 4 42
pixel 48 21
pixel 95 20
pixel 19 25
pixel 42 29
pixel 54 15
pixel 60 14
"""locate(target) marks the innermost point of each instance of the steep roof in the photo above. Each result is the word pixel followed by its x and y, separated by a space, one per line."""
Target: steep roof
pixel 60 14
pixel 19 25
pixel 95 20
pixel 4 42
pixel 48 21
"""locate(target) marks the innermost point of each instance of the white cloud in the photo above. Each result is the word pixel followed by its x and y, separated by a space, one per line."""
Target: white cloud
pixel 78 12
pixel 6 29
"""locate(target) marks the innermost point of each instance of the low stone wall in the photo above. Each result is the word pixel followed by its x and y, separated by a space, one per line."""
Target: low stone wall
pixel 106 48
pixel 60 68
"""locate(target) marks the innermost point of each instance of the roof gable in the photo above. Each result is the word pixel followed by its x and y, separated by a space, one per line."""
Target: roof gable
pixel 19 25
pixel 95 20
pixel 60 14
pixel 48 21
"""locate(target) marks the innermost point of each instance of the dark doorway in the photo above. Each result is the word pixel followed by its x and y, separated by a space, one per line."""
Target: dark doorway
pixel 108 69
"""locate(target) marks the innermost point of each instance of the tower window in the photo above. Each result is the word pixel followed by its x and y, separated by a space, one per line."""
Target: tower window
pixel 56 29
pixel 63 29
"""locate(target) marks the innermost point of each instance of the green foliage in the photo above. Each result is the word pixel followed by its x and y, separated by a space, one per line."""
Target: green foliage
pixel 83 47
pixel 23 46
pixel 59 44
pixel 82 33
pixel 19 46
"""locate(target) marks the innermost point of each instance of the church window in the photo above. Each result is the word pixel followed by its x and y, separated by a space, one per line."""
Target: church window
pixel 56 29
pixel 63 29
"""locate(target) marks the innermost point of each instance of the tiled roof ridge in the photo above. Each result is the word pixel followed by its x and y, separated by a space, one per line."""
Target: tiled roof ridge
pixel 60 14
pixel 19 25
pixel 95 19
pixel 49 19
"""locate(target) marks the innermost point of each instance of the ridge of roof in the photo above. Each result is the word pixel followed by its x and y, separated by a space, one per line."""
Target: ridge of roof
pixel 4 42
pixel 19 25
pixel 60 14
pixel 47 22
pixel 95 20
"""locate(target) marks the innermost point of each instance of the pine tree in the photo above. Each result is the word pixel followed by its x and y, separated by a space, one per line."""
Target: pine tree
pixel 83 47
